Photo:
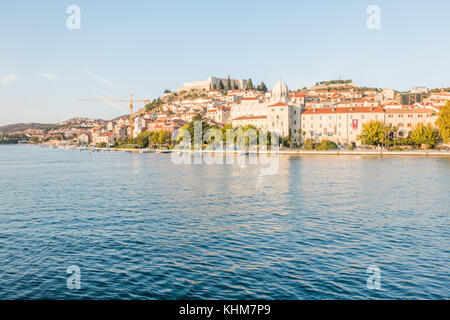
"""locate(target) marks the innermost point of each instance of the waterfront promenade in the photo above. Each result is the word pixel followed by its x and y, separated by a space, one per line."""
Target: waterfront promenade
pixel 418 153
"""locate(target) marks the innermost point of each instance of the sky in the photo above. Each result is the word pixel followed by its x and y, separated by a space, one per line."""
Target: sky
pixel 144 47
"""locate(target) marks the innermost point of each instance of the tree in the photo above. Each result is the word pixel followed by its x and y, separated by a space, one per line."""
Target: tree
pixel 221 87
pixel 263 87
pixel 249 85
pixel 164 137
pixel 154 137
pixel 443 122
pixel 229 84
pixel 373 133
pixel 326 145
pixel 142 139
pixel 215 87
pixel 424 135
pixel 190 126
pixel 308 144
pixel 236 87
pixel 154 105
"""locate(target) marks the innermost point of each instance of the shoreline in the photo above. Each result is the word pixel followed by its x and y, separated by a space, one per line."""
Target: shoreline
pixel 379 153
pixel 421 153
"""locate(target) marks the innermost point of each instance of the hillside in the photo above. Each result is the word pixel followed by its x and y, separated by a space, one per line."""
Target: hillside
pixel 5 130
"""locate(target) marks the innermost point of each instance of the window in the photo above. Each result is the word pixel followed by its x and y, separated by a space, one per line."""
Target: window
pixel 303 118
pixel 339 125
pixel 362 116
pixel 278 117
pixel 409 115
pixel 273 124
pixel 390 116
pixel 351 117
pixel 281 123
pixel 320 126
pixel 273 110
pixel 295 111
pixel 409 125
pixel 400 116
pixel 295 121
pixel 339 117
pixel 320 118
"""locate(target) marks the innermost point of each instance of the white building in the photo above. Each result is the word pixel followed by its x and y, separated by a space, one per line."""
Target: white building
pixel 273 114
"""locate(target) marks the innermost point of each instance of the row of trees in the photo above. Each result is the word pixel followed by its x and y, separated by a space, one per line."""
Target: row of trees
pixel 310 144
pixel 154 105
pixel 210 132
pixel 146 139
pixel 327 83
pixel 228 86
pixel 377 133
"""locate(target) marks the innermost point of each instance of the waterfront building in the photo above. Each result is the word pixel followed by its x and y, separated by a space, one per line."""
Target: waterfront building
pixel 83 138
pixel 339 124
pixel 276 113
pixel 105 137
pixel 407 117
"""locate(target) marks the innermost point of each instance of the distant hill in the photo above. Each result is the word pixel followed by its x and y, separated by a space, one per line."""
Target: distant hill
pixel 23 126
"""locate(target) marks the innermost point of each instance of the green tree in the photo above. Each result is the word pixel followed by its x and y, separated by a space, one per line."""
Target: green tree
pixel 425 135
pixel 236 87
pixel 263 87
pixel 373 133
pixel 326 145
pixel 229 84
pixel 443 122
pixel 249 85
pixel 154 138
pixel 191 126
pixel 164 137
pixel 309 144
pixel 221 86
pixel 215 86
pixel 142 139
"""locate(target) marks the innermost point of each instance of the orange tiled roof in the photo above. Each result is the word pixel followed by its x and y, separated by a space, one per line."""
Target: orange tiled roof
pixel 344 110
pixel 250 117
pixel 279 104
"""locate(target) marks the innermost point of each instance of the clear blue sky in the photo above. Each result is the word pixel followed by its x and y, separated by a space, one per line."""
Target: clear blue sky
pixel 146 46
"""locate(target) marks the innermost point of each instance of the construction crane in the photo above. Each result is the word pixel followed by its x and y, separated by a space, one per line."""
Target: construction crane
pixel 130 101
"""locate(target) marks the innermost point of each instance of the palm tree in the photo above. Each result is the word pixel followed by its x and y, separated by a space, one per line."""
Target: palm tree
pixel 395 131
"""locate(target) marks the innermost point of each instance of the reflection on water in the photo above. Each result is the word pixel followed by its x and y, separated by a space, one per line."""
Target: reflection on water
pixel 140 227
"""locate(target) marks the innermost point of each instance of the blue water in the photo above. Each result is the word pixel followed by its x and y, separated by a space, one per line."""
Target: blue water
pixel 140 227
